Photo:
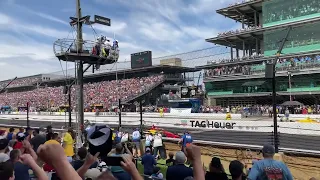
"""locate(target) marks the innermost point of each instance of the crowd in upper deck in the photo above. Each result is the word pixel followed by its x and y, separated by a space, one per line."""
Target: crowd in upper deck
pixel 300 62
pixel 104 92
pixel 285 10
pixel 20 82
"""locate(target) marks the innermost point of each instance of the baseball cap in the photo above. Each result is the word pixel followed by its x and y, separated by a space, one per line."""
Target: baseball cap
pixel 3 143
pixel 268 149
pixel 148 149
pixel 20 136
pixel 236 168
pixel 93 174
pixel 100 139
pixel 180 157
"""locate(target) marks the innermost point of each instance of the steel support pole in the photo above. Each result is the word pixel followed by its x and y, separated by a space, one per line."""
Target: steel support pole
pixel 274 104
pixel 141 121
pixel 80 65
pixel 119 112
pixel 28 122
pixel 69 102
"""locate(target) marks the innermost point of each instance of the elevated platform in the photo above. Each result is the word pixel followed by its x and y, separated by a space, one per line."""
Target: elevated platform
pixel 246 9
pixel 236 39
pixel 65 50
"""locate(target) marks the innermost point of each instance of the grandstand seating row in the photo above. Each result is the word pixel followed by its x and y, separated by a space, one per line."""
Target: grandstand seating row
pixel 104 93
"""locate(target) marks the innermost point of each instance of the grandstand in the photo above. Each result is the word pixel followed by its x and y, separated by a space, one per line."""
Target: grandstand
pixel 240 80
pixel 103 90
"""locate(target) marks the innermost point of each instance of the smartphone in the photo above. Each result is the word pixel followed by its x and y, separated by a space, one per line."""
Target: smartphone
pixel 112 160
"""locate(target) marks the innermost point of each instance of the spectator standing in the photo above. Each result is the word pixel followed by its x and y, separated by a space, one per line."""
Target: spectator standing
pixel 186 141
pixel 149 139
pixel 68 144
pixel 216 170
pixel 38 139
pixel 268 167
pixel 157 145
pixel 11 135
pixel 179 171
pixel 21 130
pixel 6 170
pixel 236 170
pixel 148 161
pixel 136 136
pixel 3 148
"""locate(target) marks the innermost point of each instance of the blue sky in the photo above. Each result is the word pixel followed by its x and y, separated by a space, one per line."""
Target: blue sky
pixel 29 28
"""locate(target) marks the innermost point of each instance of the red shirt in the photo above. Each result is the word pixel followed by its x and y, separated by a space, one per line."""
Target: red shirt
pixel 18 145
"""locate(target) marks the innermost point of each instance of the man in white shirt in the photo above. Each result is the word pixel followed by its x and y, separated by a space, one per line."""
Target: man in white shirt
pixel 157 144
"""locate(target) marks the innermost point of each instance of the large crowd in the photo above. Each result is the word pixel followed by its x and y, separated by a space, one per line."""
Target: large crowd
pixel 260 110
pixel 20 82
pixel 240 2
pixel 285 10
pixel 43 154
pixel 105 93
pixel 238 31
pixel 284 64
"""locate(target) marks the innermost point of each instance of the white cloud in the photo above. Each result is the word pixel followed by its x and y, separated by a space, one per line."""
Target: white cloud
pixel 4 19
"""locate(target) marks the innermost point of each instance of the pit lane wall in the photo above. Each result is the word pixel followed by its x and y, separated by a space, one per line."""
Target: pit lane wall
pixel 197 123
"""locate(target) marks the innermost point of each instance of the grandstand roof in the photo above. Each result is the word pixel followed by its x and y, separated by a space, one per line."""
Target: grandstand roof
pixel 235 40
pixel 246 9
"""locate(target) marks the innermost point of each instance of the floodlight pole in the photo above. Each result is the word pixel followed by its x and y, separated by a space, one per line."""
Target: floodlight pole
pixel 274 92
pixel 80 64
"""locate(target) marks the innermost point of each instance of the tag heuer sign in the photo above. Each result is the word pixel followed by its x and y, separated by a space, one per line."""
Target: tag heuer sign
pixel 102 20
pixel 184 91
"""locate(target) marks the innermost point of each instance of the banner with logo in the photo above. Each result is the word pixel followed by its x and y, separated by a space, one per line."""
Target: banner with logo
pixel 180 111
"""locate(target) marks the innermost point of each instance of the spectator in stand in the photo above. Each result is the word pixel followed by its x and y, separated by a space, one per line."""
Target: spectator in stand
pixel 68 144
pixel 23 162
pixel 11 135
pixel 157 173
pixel 21 130
pixel 236 170
pixel 118 171
pixel 39 137
pixel 18 144
pixel 268 167
pixel 216 170
pixel 148 161
pixel 179 171
pixel 82 153
pixel 7 170
pixel 3 148
pixel 170 161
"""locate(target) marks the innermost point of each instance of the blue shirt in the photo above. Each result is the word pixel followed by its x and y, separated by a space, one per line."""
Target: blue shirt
pixel 136 136
pixel 148 163
pixel 21 171
pixel 186 139
pixel 269 168
pixel 9 136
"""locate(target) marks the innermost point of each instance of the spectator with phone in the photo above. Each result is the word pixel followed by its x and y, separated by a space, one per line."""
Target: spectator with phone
pixel 118 171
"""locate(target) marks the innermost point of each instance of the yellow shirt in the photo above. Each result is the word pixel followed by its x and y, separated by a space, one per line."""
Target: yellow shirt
pixel 51 142
pixel 68 144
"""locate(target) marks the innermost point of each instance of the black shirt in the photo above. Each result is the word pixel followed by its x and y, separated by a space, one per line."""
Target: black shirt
pixel 216 176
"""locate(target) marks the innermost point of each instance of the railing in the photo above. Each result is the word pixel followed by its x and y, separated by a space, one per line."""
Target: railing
pixel 70 45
